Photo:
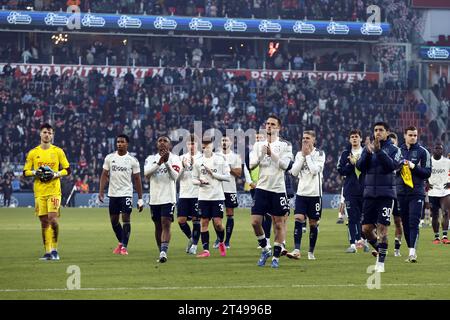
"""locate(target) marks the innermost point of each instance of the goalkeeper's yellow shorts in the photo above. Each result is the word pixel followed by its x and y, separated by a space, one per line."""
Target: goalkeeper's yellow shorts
pixel 44 205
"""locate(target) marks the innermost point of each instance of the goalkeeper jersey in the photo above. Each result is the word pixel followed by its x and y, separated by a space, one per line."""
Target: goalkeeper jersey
pixel 55 158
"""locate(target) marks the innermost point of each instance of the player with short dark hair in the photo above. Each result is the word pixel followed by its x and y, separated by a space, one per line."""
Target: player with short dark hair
pixel 162 169
pixel 379 161
pixel 439 192
pixel 47 163
pixel 273 157
pixel 353 189
pixel 187 206
pixel 209 173
pixel 308 167
pixel 411 195
pixel 119 167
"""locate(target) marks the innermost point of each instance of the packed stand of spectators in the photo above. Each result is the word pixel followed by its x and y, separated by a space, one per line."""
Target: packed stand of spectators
pixel 399 13
pixel 391 59
pixel 88 113
pixel 188 52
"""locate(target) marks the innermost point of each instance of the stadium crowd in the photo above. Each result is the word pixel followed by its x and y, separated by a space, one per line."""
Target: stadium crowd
pixel 189 51
pixel 89 112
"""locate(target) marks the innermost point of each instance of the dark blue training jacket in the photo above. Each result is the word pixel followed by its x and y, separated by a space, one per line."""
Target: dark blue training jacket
pixel 353 186
pixel 422 171
pixel 380 168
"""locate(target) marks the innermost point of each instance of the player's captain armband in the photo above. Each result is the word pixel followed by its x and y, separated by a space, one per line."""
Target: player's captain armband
pixel 406 175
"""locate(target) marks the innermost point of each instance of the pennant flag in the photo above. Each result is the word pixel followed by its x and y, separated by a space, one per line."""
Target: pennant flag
pixel 406 175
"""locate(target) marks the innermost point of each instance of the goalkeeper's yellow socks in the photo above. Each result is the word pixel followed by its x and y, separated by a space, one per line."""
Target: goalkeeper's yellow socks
pixel 55 233
pixel 47 234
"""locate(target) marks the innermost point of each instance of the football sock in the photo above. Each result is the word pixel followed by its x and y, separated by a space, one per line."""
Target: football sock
pixel 205 240
pixel 164 246
pixel 298 235
pixel 118 231
pixel 382 250
pixel 229 227
pixel 398 243
pixel 267 225
pixel 436 235
pixel 444 233
pixel 276 249
pixel 47 239
pixel 262 241
pixel 374 243
pixel 313 232
pixel 126 231
pixel 55 232
pixel 220 235
pixel 304 226
pixel 195 231
pixel 186 229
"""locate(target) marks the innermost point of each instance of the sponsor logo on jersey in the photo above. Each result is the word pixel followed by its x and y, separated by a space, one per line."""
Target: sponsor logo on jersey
pixel 119 168
pixel 438 171
pixel 206 172
pixel 50 164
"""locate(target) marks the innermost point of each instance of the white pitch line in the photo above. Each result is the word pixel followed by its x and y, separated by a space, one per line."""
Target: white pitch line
pixel 348 285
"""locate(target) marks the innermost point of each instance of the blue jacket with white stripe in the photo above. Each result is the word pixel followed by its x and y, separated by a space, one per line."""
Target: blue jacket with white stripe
pixel 422 170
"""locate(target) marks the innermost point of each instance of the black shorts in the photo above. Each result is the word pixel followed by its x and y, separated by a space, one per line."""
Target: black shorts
pixel 162 210
pixel 187 207
pixel 275 204
pixel 209 209
pixel 231 200
pixel 309 206
pixel 377 210
pixel 118 205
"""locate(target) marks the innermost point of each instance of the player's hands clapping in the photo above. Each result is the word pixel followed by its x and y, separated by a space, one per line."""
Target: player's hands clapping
pixel 188 161
pixel 369 146
pixel 266 150
pixel 164 156
pixel 376 145
pixel 307 148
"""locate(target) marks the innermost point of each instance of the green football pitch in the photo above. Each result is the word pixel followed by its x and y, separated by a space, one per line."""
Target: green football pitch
pixel 87 241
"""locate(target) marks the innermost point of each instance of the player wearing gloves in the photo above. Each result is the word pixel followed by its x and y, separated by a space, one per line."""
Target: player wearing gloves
pixel 47 163
pixel 119 167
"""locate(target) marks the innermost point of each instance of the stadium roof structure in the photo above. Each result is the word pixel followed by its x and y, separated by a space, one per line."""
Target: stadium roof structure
pixel 144 25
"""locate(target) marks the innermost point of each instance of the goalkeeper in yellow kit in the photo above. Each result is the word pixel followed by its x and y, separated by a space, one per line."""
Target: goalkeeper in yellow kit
pixel 47 163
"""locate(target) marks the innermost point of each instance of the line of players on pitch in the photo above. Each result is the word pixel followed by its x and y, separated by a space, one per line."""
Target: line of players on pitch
pixel 374 185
